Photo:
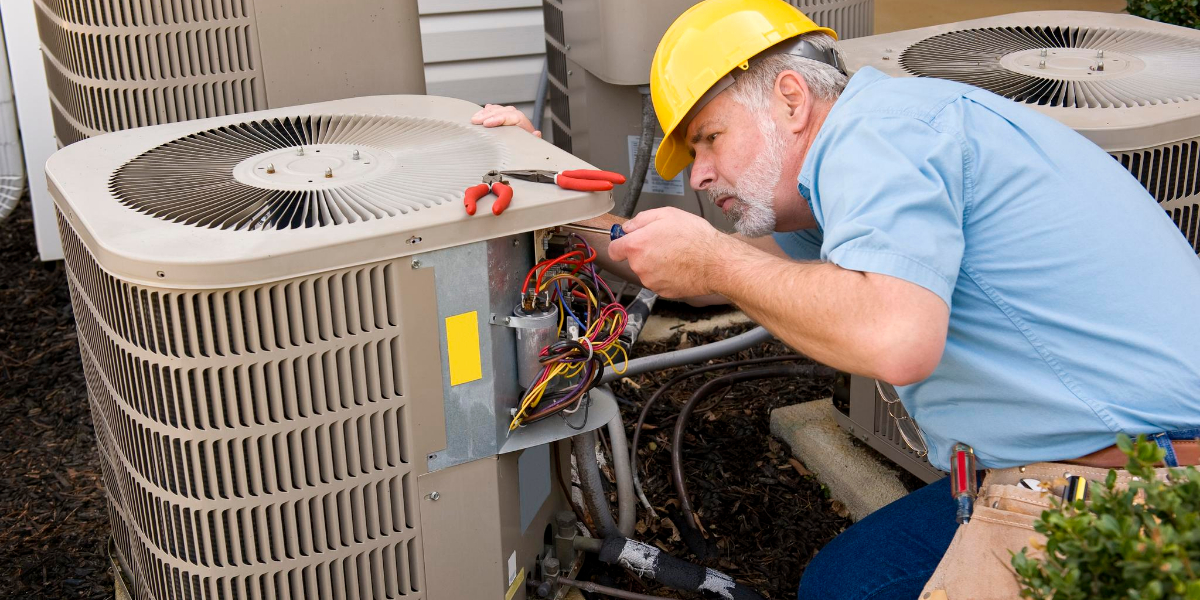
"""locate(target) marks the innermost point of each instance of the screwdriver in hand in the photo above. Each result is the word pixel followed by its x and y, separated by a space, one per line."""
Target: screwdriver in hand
pixel 614 233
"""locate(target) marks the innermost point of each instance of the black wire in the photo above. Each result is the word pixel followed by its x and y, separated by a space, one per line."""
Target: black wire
pixel 805 371
pixel 637 430
pixel 587 405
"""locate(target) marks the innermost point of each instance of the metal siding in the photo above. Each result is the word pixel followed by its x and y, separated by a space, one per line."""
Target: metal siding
pixel 484 51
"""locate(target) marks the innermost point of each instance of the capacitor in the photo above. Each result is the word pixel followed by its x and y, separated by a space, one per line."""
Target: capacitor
pixel 535 330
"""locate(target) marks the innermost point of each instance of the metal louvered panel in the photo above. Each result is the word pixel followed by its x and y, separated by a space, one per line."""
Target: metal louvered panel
pixel 1171 173
pixel 118 64
pixel 254 440
pixel 307 171
pixel 1076 67
pixel 849 18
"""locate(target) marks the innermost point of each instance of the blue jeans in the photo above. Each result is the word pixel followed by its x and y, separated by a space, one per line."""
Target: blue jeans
pixel 890 554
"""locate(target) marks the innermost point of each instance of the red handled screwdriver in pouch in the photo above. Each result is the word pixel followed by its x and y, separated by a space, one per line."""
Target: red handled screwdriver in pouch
pixel 963 484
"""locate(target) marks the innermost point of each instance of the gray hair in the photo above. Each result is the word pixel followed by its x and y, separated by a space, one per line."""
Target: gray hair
pixel 754 87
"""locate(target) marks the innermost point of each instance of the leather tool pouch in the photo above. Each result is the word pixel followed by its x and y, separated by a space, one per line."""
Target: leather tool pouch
pixel 977 565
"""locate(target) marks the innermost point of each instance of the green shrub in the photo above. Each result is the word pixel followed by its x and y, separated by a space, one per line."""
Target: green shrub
pixel 1141 543
pixel 1175 12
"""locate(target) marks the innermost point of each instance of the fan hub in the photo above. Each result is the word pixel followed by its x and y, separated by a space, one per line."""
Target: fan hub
pixel 289 169
pixel 1076 64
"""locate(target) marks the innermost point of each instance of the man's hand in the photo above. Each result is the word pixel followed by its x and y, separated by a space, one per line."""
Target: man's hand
pixel 495 115
pixel 670 251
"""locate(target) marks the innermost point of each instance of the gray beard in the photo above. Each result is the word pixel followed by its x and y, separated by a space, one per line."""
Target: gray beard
pixel 753 211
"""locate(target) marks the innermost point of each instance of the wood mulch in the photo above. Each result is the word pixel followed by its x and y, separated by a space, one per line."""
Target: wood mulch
pixel 53 520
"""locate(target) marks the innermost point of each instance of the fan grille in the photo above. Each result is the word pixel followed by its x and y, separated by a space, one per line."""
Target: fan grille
pixel 219 178
pixel 1142 68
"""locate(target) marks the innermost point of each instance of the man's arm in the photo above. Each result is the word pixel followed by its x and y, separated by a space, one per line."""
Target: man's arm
pixel 865 323
pixel 871 324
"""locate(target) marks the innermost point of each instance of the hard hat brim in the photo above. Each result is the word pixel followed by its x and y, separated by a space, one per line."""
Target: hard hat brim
pixel 673 156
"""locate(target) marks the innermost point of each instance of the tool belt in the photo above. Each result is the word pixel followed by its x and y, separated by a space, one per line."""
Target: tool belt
pixel 977 565
pixel 1187 453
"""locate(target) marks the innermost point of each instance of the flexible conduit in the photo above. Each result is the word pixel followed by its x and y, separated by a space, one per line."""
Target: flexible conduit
pixel 12 162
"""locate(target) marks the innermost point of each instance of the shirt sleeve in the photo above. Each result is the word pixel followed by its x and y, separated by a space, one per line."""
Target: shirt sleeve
pixel 889 194
pixel 800 245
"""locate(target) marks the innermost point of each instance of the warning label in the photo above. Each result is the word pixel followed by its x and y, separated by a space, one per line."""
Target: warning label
pixel 655 184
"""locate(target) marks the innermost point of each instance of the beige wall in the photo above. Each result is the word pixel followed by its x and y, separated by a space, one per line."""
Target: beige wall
pixel 894 15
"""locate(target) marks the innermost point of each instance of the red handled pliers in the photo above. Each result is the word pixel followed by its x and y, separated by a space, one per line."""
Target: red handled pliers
pixel 580 180
pixel 493 182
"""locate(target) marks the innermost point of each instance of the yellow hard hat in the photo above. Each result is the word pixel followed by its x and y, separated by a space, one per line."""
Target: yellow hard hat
pixel 703 45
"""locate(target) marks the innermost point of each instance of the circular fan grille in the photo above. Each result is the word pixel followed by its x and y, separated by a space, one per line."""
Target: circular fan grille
pixel 306 171
pixel 1079 68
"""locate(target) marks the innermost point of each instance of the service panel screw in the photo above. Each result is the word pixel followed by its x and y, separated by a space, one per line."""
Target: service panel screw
pixel 435 496
pixel 416 264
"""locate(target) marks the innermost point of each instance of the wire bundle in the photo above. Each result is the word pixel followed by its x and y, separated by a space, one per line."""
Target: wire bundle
pixel 571 365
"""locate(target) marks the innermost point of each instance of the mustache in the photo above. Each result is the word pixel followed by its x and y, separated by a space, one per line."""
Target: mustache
pixel 715 192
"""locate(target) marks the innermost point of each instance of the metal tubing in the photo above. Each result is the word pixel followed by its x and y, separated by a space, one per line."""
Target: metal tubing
pixel 626 502
pixel 697 354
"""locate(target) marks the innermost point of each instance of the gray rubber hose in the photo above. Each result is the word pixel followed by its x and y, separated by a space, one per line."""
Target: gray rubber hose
pixel 641 163
pixel 697 354
pixel 583 446
pixel 626 500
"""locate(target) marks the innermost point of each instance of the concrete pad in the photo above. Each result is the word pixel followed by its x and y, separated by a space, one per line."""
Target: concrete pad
pixel 660 329
pixel 855 476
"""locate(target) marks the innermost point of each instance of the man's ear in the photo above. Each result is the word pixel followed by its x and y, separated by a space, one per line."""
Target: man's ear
pixel 791 91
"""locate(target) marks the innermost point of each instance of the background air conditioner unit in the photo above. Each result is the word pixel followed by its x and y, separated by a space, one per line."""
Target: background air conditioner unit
pixel 1130 85
pixel 118 64
pixel 598 54
pixel 286 323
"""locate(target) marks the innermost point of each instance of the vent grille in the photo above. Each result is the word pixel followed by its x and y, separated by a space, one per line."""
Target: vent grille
pixel 405 165
pixel 331 306
pixel 1171 173
pixel 552 15
pixel 117 64
pixel 885 427
pixel 1143 68
pixel 849 18
pixel 135 13
pixel 255 442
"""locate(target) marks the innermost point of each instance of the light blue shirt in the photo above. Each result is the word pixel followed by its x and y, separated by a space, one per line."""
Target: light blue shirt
pixel 1074 300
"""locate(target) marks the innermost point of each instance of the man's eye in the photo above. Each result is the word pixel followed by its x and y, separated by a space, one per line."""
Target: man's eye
pixel 712 137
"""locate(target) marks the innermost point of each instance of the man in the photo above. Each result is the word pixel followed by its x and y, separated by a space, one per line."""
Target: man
pixel 1020 289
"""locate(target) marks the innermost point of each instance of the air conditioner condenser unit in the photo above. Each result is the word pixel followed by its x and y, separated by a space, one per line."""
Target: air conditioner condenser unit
pixel 297 355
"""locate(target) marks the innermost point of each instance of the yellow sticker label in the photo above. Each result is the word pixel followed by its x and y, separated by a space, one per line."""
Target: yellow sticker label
pixel 462 348
pixel 516 585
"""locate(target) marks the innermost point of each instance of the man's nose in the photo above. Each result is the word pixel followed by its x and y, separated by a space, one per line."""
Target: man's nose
pixel 703 174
